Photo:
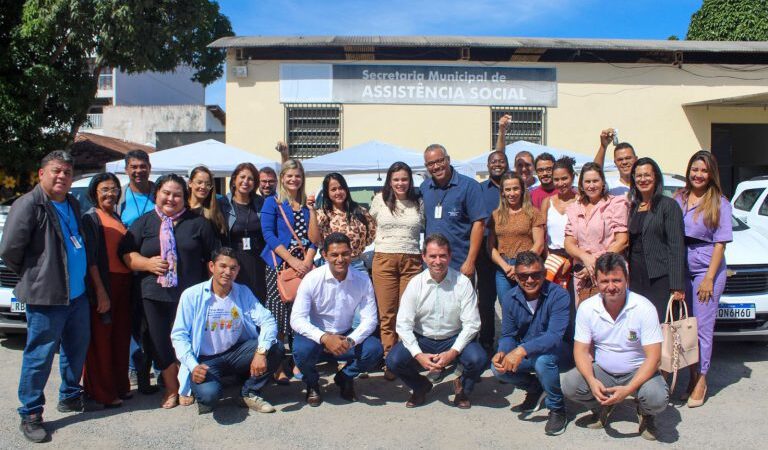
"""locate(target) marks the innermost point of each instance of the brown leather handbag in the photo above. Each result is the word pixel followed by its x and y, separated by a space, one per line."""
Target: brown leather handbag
pixel 288 279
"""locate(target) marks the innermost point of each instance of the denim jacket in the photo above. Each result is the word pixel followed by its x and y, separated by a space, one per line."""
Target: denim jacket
pixel 188 328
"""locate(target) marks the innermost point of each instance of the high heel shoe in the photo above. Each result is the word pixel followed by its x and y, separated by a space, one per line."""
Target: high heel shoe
pixel 695 403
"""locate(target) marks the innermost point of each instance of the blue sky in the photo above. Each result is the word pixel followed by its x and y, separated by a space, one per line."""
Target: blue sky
pixel 617 19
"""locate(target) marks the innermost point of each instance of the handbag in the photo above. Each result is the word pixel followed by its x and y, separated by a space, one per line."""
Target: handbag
pixel 288 279
pixel 680 347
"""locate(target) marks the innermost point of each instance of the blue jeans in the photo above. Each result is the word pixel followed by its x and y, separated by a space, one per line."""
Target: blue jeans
pixel 234 362
pixel 539 372
pixel 363 358
pixel 66 328
pixel 503 284
pixel 404 365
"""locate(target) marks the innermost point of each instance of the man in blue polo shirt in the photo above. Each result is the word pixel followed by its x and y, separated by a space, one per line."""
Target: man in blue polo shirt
pixel 486 279
pixel 454 207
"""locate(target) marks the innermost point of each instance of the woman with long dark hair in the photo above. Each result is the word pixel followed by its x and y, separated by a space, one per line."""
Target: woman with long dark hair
pixel 554 208
pixel 515 226
pixel 105 377
pixel 597 224
pixel 399 214
pixel 168 247
pixel 202 198
pixel 708 228
pixel 242 210
pixel 656 238
pixel 340 213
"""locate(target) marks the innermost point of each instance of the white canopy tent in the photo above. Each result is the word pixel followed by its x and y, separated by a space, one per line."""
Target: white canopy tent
pixel 371 156
pixel 220 158
pixel 479 164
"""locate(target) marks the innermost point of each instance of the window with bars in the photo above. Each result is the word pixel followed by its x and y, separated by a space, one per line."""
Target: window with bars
pixel 312 129
pixel 527 124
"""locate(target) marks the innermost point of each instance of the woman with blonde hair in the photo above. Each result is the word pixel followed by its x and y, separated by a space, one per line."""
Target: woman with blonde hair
pixel 285 218
pixel 515 226
pixel 708 227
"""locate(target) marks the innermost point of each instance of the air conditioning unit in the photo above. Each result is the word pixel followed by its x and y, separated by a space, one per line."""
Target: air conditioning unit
pixel 241 71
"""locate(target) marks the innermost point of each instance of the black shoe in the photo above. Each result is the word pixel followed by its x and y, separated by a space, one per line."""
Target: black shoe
pixel 647 428
pixel 203 409
pixel 346 385
pixel 149 389
pixel 71 405
pixel 32 427
pixel 314 398
pixel 531 403
pixel 556 422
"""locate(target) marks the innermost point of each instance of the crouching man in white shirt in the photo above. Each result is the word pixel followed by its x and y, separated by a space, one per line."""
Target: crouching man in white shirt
pixel 322 321
pixel 222 330
pixel 624 328
pixel 437 323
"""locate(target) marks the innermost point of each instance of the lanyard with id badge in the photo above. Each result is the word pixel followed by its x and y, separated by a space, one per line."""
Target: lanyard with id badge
pixel 76 239
pixel 246 240
pixel 439 206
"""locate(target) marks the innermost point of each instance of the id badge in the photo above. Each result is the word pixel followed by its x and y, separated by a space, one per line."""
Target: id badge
pixel 246 243
pixel 439 212
pixel 75 242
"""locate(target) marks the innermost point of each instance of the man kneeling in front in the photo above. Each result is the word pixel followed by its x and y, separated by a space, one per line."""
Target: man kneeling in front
pixel 532 352
pixel 437 323
pixel 222 330
pixel 322 318
pixel 624 328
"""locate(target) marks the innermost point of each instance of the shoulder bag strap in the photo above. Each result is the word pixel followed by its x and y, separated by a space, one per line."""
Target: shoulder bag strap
pixel 285 218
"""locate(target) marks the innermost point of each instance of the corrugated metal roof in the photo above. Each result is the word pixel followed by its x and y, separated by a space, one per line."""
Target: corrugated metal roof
pixel 499 42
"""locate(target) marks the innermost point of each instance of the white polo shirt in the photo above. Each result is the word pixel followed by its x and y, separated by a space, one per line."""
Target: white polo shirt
pixel 618 344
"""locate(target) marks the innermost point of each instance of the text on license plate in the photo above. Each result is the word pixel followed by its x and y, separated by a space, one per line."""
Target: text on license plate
pixel 737 311
pixel 17 306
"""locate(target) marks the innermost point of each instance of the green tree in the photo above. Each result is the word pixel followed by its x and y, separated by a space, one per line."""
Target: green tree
pixel 52 51
pixel 730 20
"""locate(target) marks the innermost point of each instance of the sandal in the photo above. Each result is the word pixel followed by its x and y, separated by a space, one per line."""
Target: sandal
pixel 170 401
pixel 186 400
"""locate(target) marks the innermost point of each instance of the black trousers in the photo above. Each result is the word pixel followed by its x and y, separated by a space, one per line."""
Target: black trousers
pixel 486 298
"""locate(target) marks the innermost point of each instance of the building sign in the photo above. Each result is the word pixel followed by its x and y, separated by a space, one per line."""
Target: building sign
pixel 423 85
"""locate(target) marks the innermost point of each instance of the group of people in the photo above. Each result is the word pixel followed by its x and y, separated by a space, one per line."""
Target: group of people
pixel 210 286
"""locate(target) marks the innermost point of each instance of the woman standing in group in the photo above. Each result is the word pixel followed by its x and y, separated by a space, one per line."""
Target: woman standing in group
pixel 281 218
pixel 399 215
pixel 656 242
pixel 340 213
pixel 597 224
pixel 708 227
pixel 105 377
pixel 202 198
pixel 554 209
pixel 242 210
pixel 515 226
pixel 169 248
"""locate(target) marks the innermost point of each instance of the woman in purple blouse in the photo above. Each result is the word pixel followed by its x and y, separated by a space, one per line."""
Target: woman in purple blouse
pixel 708 227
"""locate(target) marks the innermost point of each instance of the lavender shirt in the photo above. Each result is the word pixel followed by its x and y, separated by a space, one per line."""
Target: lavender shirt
pixel 695 227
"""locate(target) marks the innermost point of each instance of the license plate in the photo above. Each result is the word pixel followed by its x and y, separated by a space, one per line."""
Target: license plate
pixel 736 311
pixel 17 306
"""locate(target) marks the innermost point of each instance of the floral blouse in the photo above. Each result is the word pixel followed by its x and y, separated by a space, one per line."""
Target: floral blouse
pixel 359 235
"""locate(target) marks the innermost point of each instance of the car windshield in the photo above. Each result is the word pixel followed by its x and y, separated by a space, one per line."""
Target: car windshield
pixel 81 194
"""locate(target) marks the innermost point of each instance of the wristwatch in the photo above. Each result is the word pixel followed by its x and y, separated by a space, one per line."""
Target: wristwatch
pixel 351 342
pixel 261 351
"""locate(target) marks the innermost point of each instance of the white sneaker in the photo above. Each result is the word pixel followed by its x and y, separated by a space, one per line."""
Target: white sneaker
pixel 258 404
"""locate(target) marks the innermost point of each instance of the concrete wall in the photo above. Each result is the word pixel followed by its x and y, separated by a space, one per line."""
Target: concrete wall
pixel 644 101
pixel 140 123
pixel 156 88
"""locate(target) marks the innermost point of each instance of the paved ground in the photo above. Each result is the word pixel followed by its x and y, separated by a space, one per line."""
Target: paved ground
pixel 733 417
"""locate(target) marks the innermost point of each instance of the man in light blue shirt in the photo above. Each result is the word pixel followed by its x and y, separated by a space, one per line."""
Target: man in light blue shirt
pixel 222 330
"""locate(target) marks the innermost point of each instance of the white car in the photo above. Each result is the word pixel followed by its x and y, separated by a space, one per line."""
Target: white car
pixel 750 203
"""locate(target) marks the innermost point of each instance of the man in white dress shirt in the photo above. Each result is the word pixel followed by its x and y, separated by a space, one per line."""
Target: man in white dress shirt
pixel 322 321
pixel 437 323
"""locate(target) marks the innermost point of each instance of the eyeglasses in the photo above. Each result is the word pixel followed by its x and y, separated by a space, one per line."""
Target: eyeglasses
pixel 437 162
pixel 535 276
pixel 204 184
pixel 644 176
pixel 105 191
